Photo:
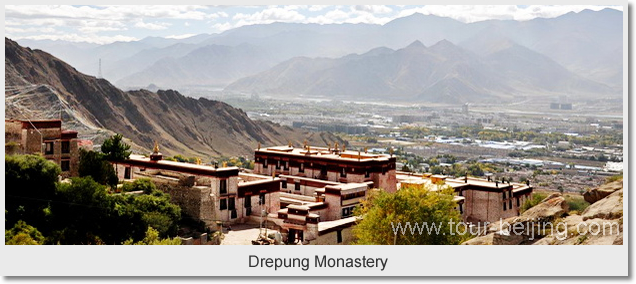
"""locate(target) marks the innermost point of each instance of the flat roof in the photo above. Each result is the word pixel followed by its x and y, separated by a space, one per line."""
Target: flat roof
pixel 325 153
pixel 203 170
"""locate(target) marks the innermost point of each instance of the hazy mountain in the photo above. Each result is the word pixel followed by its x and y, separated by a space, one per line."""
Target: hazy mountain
pixel 36 82
pixel 208 65
pixel 443 72
pixel 587 43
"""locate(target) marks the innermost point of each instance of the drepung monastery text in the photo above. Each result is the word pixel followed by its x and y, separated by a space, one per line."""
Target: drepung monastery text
pixel 319 261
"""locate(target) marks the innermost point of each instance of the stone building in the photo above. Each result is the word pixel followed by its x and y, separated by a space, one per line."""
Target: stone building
pixel 329 164
pixel 218 196
pixel 478 200
pixel 46 138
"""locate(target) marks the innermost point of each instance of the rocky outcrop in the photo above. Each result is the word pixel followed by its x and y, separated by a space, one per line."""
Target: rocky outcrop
pixel 548 223
pixel 601 192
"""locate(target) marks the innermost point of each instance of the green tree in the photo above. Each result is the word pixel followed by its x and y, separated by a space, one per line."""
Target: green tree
pixel 95 165
pixel 23 234
pixel 29 188
pixel 152 238
pixel 115 149
pixel 381 212
pixel 142 184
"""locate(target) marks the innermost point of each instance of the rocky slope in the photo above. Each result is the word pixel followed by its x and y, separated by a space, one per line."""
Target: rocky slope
pixel 548 223
pixel 38 86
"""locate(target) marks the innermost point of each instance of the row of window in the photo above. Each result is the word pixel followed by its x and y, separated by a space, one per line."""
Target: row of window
pixel 228 203
pixel 49 147
pixel 508 201
pixel 301 168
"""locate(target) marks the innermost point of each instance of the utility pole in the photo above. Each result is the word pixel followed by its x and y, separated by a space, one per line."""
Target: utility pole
pixel 99 74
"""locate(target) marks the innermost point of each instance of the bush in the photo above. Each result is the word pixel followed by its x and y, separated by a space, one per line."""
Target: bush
pixel 576 203
pixel 95 165
pixel 23 234
pixel 535 199
pixel 381 212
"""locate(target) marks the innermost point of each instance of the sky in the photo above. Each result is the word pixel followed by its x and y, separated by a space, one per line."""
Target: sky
pixel 107 24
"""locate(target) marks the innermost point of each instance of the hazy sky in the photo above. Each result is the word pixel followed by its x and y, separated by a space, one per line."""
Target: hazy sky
pixel 106 24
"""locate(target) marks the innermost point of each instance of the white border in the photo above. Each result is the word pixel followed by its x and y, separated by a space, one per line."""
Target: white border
pixel 403 260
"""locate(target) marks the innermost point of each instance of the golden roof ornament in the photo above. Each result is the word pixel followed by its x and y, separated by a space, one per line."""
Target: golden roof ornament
pixel 335 148
pixel 344 146
pixel 259 146
pixel 391 151
pixel 225 164
pixel 289 144
pixel 156 148
pixel 198 161
pixel 305 144
pixel 366 149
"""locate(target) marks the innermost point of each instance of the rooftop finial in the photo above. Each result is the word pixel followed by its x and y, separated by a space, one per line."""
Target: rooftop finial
pixel 344 146
pixel 336 147
pixel 289 144
pixel 305 144
pixel 391 151
pixel 366 150
pixel 259 146
pixel 156 148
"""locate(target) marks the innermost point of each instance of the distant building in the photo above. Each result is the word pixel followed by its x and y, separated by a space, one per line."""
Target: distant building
pixel 46 138
pixel 478 200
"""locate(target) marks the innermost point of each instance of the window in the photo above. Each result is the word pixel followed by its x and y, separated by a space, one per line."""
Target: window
pixel 261 199
pixel 297 186
pixel 265 163
pixel 223 204
pixel 344 172
pixel 278 164
pixel 65 165
pixel 339 236
pixel 230 203
pixel 323 170
pixel 48 148
pixel 284 184
pixel 66 147
pixel 366 174
pixel 301 168
pixel 518 202
pixel 504 205
pixel 286 165
pixel 223 186
pixel 510 203
pixel 248 202
pixel 127 173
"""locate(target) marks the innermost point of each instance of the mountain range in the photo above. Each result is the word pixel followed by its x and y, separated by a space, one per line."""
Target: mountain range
pixel 587 44
pixel 37 83
pixel 441 73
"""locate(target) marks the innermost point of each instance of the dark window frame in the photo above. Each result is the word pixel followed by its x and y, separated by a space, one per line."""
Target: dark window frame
pixel 223 204
pixel 223 186
pixel 65 165
pixel 49 150
pixel 66 147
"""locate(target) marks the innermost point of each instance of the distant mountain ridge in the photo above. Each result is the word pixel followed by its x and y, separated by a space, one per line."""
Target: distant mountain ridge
pixel 588 43
pixel 182 125
pixel 441 73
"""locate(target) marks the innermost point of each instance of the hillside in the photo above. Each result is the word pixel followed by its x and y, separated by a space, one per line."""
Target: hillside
pixel 40 86
pixel 442 73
